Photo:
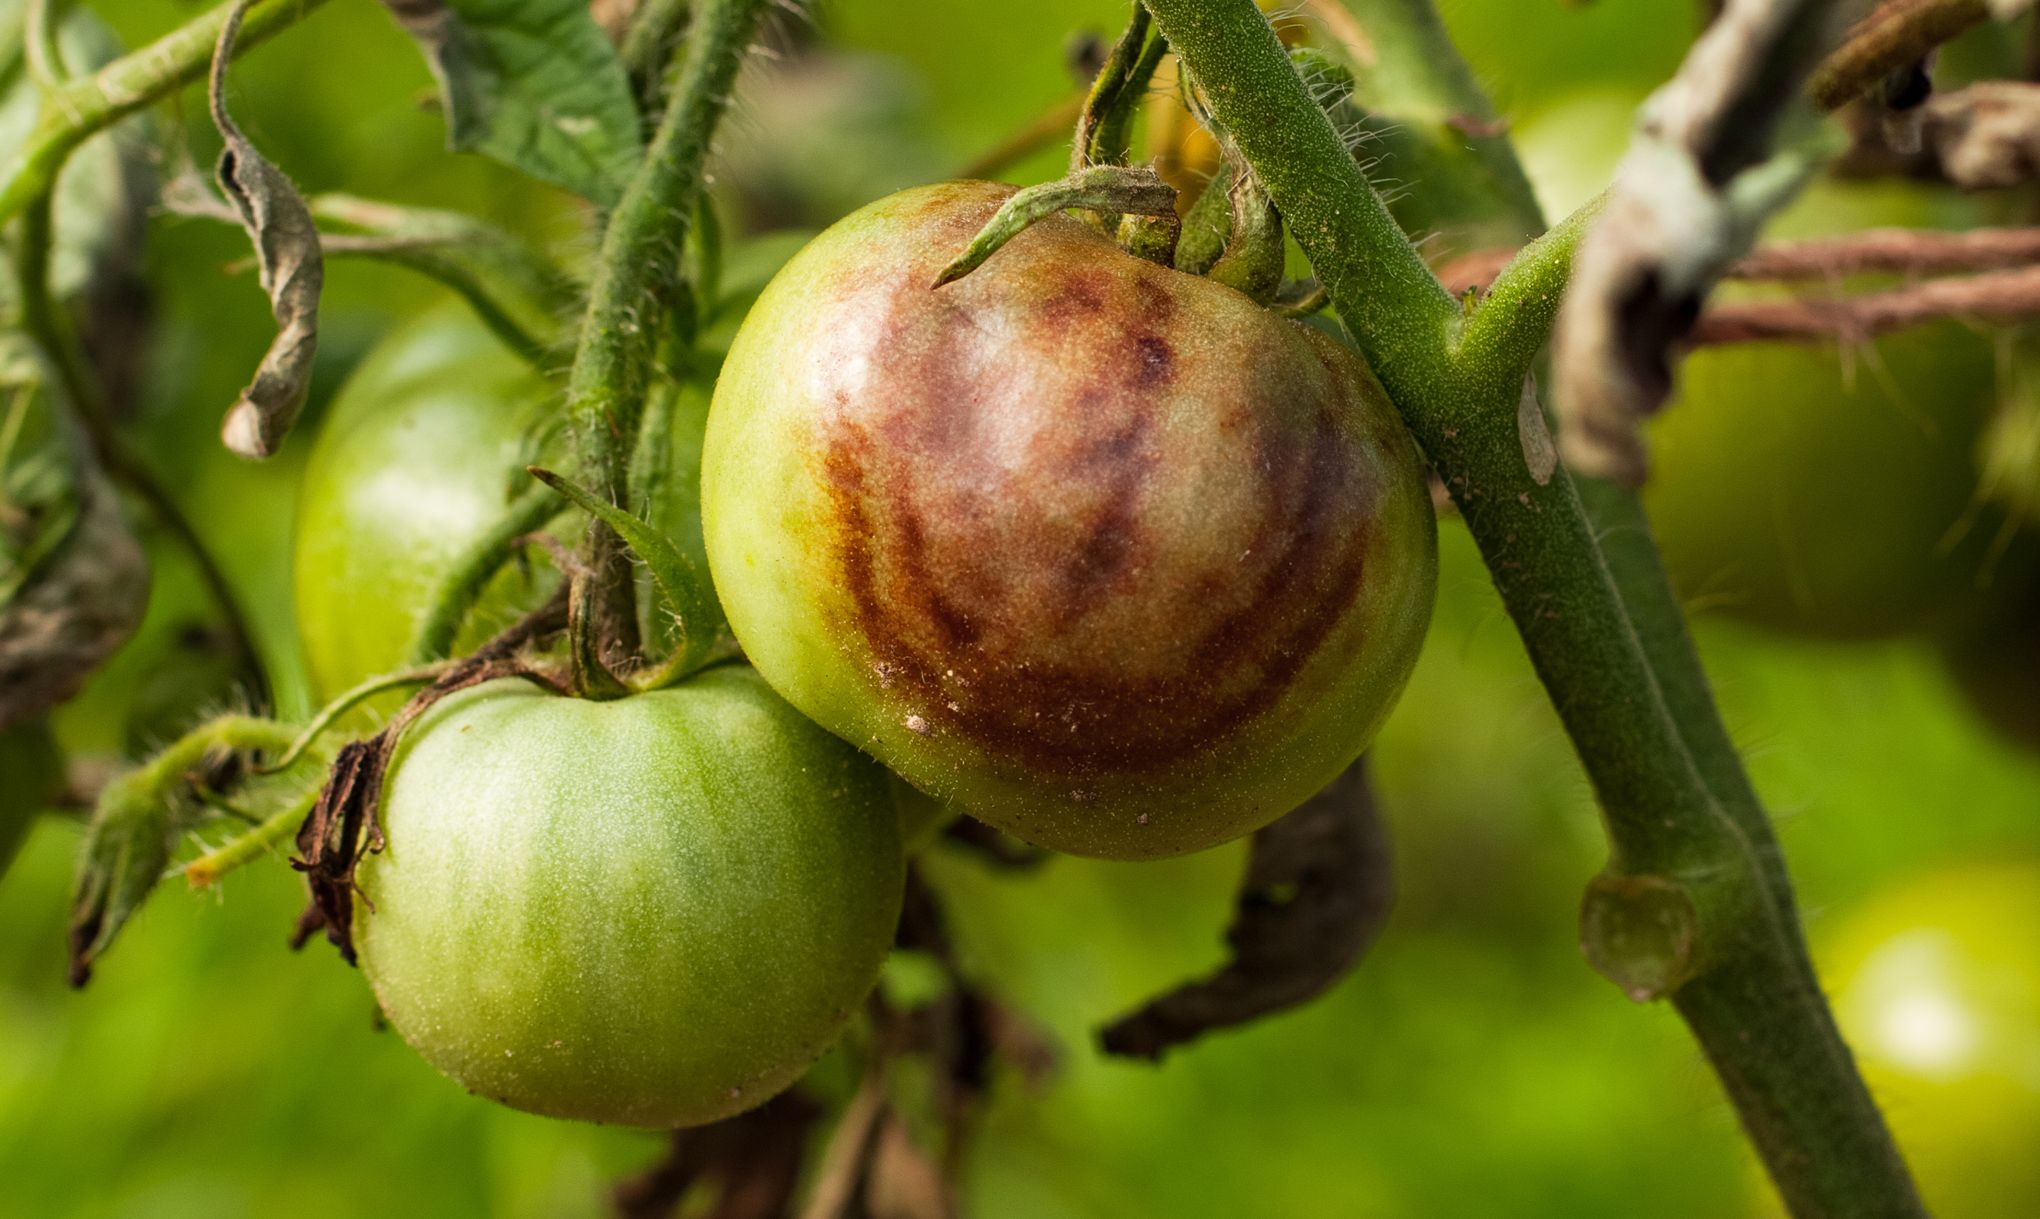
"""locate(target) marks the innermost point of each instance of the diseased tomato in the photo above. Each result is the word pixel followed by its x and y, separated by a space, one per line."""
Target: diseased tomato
pixel 653 912
pixel 1102 553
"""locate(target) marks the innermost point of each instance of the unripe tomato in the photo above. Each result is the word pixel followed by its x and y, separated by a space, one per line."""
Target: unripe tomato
pixel 1798 485
pixel 652 912
pixel 1937 987
pixel 423 449
pixel 1102 553
pixel 421 453
pixel 29 772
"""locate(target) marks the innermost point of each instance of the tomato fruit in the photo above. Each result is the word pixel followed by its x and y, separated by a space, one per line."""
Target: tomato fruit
pixel 1937 987
pixel 1799 486
pixel 422 450
pixel 419 455
pixel 652 912
pixel 1102 553
pixel 30 770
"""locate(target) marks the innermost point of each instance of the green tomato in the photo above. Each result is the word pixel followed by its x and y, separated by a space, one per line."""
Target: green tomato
pixel 30 770
pixel 1937 987
pixel 420 454
pixel 1104 554
pixel 423 449
pixel 1798 486
pixel 651 912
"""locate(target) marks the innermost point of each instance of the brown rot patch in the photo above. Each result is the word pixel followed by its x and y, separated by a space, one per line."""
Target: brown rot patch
pixel 1156 362
pixel 1078 298
pixel 1007 529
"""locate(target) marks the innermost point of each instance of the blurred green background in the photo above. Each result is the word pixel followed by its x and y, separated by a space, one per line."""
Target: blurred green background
pixel 1472 1066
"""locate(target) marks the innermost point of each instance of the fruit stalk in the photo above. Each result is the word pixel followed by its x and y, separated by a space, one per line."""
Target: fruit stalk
pixel 638 278
pixel 1600 624
pixel 92 103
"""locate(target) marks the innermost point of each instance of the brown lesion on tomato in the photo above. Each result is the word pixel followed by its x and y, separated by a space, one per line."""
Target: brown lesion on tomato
pixel 988 577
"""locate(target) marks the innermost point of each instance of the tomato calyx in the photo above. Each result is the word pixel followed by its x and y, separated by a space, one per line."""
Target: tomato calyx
pixel 704 637
pixel 343 824
pixel 1232 234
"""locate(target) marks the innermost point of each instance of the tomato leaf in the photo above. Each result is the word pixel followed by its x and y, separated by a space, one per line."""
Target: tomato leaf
pixel 73 579
pixel 1317 891
pixel 534 84
pixel 289 264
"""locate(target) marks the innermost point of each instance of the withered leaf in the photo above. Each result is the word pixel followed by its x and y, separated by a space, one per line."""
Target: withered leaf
pixel 73 579
pixel 289 263
pixel 73 609
pixel 1317 890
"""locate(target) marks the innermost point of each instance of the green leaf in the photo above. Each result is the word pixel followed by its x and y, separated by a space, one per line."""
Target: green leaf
pixel 136 826
pixel 534 84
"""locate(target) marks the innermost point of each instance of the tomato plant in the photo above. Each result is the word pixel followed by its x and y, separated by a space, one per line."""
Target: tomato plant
pixel 661 942
pixel 1102 553
pixel 1099 508
pixel 1937 987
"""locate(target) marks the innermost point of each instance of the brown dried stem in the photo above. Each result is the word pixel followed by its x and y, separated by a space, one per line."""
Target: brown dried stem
pixel 1868 252
pixel 1703 175
pixel 1992 295
pixel 1898 33
pixel 1992 274
pixel 754 1158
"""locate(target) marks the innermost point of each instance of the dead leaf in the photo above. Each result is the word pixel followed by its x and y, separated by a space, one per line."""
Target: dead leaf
pixel 288 262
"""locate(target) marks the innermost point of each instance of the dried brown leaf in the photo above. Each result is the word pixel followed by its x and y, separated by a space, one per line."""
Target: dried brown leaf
pixel 82 604
pixel 1317 891
pixel 288 263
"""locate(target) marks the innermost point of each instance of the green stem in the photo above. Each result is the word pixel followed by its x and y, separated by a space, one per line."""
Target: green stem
pixel 647 50
pixel 71 114
pixel 1428 122
pixel 1600 625
pixel 43 320
pixel 330 714
pixel 638 278
pixel 206 871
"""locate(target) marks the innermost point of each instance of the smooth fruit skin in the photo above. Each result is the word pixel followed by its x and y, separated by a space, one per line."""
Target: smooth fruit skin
pixel 651 912
pixel 1101 553
pixel 1936 985
pixel 419 455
